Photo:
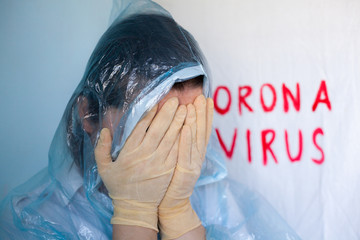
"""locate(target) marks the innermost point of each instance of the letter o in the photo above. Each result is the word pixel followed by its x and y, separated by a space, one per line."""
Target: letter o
pixel 218 109
pixel 266 108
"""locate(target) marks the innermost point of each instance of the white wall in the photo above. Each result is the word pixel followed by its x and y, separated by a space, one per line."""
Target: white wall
pixel 252 43
pixel 44 48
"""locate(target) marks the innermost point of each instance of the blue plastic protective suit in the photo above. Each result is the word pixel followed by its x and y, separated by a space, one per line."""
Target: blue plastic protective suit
pixel 136 62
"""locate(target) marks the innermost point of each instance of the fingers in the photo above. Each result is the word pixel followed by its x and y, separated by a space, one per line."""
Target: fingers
pixel 209 118
pixel 171 159
pixel 191 122
pixel 137 135
pixel 199 120
pixel 173 132
pixel 160 124
pixel 102 150
pixel 184 158
pixel 200 106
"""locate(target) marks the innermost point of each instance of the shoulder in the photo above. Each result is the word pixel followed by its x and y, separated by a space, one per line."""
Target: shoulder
pixel 42 208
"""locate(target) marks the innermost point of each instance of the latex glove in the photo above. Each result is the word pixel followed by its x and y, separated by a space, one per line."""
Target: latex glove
pixel 138 179
pixel 175 211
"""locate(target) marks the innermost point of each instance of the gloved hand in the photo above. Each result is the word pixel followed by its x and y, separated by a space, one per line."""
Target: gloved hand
pixel 175 211
pixel 138 179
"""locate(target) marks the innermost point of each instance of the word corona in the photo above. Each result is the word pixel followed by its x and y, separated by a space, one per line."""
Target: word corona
pixel 245 91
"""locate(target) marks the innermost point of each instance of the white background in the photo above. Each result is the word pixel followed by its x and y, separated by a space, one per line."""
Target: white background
pixel 44 48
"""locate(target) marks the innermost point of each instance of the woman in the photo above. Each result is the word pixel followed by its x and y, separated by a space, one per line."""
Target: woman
pixel 143 59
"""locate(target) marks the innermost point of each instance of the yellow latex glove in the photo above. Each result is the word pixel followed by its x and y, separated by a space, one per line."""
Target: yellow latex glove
pixel 138 179
pixel 176 215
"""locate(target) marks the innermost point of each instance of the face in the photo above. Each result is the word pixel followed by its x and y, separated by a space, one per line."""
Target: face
pixel 185 96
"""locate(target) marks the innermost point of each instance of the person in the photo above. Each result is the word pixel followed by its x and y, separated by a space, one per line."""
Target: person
pixel 131 149
pixel 143 182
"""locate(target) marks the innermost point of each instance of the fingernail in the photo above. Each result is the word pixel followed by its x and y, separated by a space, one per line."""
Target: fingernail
pixel 182 111
pixel 201 98
pixel 174 101
pixel 210 102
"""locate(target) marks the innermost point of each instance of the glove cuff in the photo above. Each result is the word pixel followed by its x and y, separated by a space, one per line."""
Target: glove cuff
pixel 174 222
pixel 135 214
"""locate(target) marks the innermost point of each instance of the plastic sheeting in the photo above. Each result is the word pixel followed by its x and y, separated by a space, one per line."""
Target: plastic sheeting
pixel 136 62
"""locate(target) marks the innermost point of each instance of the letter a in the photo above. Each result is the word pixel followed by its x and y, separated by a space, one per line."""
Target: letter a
pixel 318 99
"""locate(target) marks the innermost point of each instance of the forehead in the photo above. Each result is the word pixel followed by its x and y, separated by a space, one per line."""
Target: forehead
pixel 191 83
pixel 185 96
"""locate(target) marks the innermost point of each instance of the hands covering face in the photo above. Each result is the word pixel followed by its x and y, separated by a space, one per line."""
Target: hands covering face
pixel 157 169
